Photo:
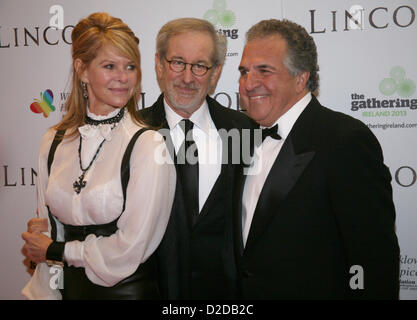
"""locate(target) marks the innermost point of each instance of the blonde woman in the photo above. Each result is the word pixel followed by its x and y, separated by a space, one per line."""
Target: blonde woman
pixel 103 225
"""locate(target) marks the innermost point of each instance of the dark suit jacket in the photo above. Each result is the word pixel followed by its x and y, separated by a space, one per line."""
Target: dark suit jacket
pixel 197 261
pixel 326 206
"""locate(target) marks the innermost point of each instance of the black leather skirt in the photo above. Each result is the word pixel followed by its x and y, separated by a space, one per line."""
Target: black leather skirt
pixel 141 285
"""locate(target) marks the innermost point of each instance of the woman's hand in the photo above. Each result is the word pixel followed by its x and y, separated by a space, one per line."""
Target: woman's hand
pixel 37 225
pixel 36 246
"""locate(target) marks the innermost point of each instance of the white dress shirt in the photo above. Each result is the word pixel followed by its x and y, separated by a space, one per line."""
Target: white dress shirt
pixel 209 146
pixel 263 159
pixel 149 198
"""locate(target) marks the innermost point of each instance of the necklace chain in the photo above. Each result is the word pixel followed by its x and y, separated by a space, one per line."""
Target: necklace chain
pixel 92 160
pixel 81 183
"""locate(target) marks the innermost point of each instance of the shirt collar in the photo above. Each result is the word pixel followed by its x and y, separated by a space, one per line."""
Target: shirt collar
pixel 100 117
pixel 287 120
pixel 200 117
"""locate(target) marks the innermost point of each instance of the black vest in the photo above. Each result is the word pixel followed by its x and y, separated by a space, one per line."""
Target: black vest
pixel 142 284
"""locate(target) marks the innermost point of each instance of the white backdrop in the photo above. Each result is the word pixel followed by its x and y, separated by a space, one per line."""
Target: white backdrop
pixel 363 65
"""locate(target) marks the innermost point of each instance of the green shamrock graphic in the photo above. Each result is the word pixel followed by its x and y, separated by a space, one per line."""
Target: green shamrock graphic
pixel 397 83
pixel 219 14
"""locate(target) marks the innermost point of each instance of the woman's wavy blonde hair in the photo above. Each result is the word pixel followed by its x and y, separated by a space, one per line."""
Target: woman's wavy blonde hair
pixel 88 36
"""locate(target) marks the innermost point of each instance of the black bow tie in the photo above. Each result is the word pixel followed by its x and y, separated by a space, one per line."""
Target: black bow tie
pixel 271 132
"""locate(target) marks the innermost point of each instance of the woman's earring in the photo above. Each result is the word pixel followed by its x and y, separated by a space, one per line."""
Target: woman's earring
pixel 85 92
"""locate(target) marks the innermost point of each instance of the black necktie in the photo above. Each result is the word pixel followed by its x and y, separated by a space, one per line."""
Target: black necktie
pixel 187 164
pixel 271 132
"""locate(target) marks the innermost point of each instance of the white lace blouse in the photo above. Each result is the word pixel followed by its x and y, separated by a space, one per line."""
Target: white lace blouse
pixel 149 197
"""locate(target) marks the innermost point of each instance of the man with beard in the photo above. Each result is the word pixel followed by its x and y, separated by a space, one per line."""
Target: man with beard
pixel 195 257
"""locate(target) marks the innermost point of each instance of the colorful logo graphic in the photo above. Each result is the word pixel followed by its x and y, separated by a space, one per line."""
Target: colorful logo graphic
pixel 45 104
pixel 397 83
pixel 219 14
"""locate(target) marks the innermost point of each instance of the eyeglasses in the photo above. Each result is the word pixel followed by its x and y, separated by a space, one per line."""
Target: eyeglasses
pixel 196 68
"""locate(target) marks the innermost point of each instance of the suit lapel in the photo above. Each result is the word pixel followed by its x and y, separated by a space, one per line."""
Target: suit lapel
pixel 296 153
pixel 284 173
pixel 218 118
pixel 155 117
pixel 240 183
pixel 155 114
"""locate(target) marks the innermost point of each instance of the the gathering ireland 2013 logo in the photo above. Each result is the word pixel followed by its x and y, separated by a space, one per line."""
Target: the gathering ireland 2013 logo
pixel 45 104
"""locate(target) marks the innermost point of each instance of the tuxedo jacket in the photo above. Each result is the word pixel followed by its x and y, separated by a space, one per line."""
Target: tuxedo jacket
pixel 323 227
pixel 196 261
